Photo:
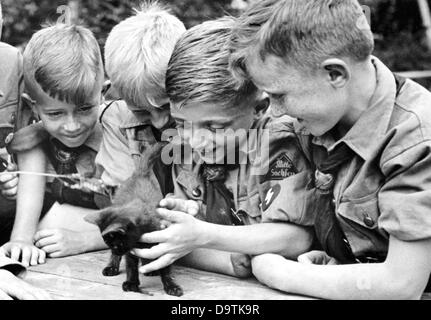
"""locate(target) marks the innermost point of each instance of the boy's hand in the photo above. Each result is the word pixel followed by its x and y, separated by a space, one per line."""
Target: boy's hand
pixel 188 206
pixel 12 287
pixel 317 257
pixel 29 254
pixel 9 182
pixel 241 264
pixel 59 243
pixel 183 235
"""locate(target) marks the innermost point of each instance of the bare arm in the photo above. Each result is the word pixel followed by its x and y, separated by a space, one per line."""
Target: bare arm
pixel 186 233
pixel 31 190
pixel 403 275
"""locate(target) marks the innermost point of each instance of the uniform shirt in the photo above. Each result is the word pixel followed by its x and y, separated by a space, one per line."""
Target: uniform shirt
pixel 386 188
pixel 85 163
pixel 255 184
pixel 124 141
pixel 11 80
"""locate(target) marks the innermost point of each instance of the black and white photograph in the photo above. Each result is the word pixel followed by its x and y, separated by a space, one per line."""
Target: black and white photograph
pixel 215 154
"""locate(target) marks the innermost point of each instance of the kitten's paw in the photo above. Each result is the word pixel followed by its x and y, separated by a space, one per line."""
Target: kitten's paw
pixel 152 274
pixel 131 286
pixel 174 290
pixel 110 272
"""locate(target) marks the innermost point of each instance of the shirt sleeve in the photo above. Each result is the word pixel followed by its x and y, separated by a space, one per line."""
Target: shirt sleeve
pixel 114 160
pixel 13 266
pixel 405 198
pixel 284 195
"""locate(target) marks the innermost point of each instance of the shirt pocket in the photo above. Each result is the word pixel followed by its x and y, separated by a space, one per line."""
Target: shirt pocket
pixel 249 209
pixel 359 221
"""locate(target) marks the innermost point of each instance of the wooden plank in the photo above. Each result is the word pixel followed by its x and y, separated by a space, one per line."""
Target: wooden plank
pixel 80 277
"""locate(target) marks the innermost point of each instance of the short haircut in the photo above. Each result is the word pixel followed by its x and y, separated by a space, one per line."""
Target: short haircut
pixel 304 33
pixel 199 68
pixel 65 61
pixel 137 53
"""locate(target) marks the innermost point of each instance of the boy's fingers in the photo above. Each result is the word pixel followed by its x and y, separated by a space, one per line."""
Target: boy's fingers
pixel 42 257
pixel 155 237
pixel 158 264
pixel 12 166
pixel 43 242
pixel 188 206
pixel 172 216
pixel 313 257
pixel 34 257
pixel 15 253
pixel 26 256
pixel 151 254
pixel 43 234
pixel 51 249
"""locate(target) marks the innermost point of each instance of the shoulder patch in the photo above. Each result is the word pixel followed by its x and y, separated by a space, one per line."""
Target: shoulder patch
pixel 271 195
pixel 281 168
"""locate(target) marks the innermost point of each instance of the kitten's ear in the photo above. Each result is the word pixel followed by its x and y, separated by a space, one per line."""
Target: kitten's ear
pixel 97 217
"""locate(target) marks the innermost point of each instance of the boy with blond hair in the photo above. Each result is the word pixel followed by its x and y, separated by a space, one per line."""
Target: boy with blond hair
pixel 367 133
pixel 63 72
pixel 137 53
pixel 218 120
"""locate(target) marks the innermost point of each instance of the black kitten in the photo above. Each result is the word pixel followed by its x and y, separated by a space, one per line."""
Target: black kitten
pixel 131 215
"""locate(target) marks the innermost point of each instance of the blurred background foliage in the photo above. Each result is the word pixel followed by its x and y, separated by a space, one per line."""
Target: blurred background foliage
pixel 397 24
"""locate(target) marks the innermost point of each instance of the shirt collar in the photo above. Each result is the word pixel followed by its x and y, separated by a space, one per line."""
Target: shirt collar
pixel 95 139
pixel 365 135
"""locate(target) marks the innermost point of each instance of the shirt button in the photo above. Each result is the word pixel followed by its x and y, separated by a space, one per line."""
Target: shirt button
pixel 196 192
pixel 334 202
pixel 369 222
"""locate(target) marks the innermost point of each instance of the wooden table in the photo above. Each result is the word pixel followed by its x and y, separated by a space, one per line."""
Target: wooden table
pixel 80 278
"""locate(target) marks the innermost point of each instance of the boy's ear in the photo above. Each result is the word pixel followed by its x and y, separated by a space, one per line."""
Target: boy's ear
pixel 106 87
pixel 29 102
pixel 262 106
pixel 337 71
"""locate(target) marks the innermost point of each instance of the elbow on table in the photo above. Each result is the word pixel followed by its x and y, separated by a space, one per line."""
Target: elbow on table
pixel 300 241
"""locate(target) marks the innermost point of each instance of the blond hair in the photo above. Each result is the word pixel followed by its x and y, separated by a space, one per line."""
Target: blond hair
pixel 137 53
pixel 65 61
pixel 302 33
pixel 199 68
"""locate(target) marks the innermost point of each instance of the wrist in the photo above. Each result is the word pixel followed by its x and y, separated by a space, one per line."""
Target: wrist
pixel 204 238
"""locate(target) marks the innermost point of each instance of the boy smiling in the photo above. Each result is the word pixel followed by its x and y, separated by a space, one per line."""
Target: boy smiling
pixel 367 133
pixel 216 118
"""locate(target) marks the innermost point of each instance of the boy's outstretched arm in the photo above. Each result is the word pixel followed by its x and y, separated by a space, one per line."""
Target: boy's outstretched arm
pixel 186 233
pixel 31 190
pixel 403 275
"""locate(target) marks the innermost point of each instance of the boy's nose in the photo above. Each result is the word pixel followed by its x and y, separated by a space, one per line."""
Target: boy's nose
pixel 199 140
pixel 72 125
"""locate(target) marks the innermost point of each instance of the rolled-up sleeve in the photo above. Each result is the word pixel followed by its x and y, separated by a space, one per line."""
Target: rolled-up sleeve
pixel 405 198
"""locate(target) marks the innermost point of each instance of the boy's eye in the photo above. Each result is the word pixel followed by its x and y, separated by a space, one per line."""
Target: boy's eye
pixel 215 127
pixel 85 109
pixel 54 114
pixel 277 96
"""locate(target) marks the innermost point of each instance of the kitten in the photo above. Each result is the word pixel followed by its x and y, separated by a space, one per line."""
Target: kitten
pixel 131 215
